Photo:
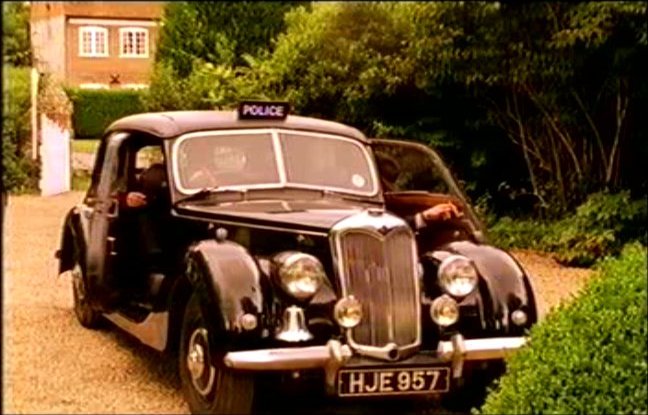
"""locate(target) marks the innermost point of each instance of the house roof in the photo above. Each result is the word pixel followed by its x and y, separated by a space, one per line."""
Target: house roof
pixel 174 123
pixel 98 9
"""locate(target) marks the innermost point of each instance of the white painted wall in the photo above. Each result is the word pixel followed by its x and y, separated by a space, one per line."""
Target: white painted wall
pixel 55 158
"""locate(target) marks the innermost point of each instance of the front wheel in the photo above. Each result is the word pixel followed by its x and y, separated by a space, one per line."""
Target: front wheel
pixel 209 387
pixel 86 316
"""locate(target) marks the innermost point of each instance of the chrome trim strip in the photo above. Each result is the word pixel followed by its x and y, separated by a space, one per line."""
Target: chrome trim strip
pixel 279 157
pixel 249 225
pixel 152 331
pixel 367 222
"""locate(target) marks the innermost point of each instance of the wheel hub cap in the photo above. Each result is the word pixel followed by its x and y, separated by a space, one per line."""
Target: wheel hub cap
pixel 198 362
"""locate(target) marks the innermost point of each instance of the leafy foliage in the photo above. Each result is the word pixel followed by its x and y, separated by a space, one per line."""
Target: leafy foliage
pixel 598 228
pixel 548 93
pixel 95 110
pixel 588 356
pixel 19 172
pixel 218 32
pixel 15 33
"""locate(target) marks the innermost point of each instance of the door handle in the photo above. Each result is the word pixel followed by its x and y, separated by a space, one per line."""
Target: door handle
pixel 113 209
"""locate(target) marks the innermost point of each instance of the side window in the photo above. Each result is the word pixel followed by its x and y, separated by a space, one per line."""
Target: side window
pixel 148 156
pixel 408 167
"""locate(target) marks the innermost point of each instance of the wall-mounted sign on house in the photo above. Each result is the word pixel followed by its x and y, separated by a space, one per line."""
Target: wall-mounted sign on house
pixel 96 44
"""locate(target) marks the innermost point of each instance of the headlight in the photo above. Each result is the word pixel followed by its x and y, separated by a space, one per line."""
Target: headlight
pixel 457 276
pixel 299 274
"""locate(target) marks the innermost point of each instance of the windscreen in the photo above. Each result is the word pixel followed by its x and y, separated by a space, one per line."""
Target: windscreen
pixel 326 162
pixel 272 158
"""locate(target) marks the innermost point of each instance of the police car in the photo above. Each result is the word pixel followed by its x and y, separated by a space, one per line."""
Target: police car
pixel 257 244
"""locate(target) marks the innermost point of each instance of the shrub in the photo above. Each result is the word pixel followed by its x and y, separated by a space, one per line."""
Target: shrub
pixel 508 233
pixel 599 227
pixel 588 356
pixel 19 172
pixel 207 87
pixel 95 110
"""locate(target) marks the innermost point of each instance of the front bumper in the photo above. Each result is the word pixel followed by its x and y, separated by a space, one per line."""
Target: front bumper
pixel 334 355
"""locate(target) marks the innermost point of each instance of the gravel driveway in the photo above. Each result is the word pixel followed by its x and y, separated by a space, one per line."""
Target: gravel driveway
pixel 53 365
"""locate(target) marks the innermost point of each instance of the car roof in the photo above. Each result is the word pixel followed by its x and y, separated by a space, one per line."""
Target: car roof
pixel 171 124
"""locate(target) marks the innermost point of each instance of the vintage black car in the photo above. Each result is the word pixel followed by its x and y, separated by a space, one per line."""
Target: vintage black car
pixel 284 246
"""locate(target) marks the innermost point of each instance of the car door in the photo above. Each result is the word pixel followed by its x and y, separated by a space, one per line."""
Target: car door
pixel 414 178
pixel 100 210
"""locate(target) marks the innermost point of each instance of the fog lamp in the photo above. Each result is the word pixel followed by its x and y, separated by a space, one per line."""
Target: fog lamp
pixel 248 321
pixel 348 312
pixel 444 311
pixel 519 317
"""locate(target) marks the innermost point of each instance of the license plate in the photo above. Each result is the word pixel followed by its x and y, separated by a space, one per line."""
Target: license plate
pixel 396 381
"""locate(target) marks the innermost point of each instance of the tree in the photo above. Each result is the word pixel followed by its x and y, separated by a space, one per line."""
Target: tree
pixel 218 32
pixel 15 33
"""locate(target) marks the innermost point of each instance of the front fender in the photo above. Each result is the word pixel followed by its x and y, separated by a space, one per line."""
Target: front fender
pixel 228 281
pixel 507 287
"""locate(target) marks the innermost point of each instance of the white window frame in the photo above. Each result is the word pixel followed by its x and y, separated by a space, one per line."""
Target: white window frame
pixel 134 30
pixel 93 30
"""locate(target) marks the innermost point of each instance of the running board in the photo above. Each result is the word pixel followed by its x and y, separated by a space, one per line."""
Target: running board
pixel 152 331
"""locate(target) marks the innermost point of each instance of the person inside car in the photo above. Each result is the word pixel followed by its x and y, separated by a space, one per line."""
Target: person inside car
pixel 146 210
pixel 389 171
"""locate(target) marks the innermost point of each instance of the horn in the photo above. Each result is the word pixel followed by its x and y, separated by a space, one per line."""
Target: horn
pixel 293 326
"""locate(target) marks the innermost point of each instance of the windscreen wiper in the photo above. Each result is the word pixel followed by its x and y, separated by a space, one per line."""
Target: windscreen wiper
pixel 206 192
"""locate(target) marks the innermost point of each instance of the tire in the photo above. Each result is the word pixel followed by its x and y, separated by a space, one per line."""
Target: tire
pixel 208 386
pixel 86 316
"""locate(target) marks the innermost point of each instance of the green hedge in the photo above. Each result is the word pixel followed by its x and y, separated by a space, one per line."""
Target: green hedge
pixel 589 356
pixel 19 172
pixel 95 110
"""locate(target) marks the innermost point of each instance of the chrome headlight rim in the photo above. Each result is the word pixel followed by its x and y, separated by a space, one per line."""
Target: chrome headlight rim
pixel 458 276
pixel 298 274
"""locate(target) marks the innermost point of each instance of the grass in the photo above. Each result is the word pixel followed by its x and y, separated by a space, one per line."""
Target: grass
pixel 80 180
pixel 85 145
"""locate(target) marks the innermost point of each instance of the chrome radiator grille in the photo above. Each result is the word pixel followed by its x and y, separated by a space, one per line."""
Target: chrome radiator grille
pixel 379 270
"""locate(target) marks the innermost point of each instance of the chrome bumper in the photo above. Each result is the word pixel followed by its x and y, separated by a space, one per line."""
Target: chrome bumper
pixel 334 355
pixel 459 350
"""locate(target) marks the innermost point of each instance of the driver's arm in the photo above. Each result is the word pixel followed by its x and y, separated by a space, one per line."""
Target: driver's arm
pixel 440 212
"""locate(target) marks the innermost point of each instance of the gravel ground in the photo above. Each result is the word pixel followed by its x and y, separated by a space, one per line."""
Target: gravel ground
pixel 53 365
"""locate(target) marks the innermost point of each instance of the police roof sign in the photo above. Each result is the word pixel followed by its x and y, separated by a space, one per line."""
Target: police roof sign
pixel 263 110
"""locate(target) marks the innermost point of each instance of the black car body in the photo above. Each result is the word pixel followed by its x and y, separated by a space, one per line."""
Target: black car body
pixel 289 255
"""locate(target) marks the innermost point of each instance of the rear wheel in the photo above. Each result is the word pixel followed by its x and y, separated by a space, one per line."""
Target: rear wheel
pixel 209 387
pixel 86 316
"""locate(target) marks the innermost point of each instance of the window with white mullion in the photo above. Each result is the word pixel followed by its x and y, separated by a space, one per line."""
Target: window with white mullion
pixel 133 42
pixel 93 41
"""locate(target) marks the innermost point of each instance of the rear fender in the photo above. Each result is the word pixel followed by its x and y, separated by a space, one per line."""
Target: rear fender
pixel 228 282
pixel 72 242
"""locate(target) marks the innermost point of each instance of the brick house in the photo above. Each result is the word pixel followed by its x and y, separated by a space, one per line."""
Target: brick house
pixel 103 44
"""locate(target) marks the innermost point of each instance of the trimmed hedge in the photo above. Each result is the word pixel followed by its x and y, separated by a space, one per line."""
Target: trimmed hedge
pixel 589 356
pixel 95 110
